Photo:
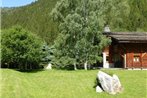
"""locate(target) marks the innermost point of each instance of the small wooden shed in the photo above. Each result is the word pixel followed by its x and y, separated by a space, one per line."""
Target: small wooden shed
pixel 127 50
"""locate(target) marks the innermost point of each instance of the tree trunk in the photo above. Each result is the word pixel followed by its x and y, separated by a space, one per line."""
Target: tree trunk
pixel 26 66
pixel 8 65
pixel 30 66
pixel 75 66
pixel 85 65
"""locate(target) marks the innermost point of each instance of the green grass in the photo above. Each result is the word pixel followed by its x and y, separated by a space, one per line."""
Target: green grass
pixel 68 84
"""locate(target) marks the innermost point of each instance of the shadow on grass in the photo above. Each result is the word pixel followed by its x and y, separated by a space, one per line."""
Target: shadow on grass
pixel 97 83
pixel 31 70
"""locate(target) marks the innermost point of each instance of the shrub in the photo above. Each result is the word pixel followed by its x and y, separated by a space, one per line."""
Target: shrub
pixel 20 49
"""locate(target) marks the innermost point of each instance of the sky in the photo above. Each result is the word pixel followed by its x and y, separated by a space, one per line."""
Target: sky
pixel 15 3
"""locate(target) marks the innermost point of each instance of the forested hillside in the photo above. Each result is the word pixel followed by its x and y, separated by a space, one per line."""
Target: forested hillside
pixel 36 17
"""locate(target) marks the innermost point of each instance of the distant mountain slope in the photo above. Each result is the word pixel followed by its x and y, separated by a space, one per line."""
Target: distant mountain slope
pixel 35 17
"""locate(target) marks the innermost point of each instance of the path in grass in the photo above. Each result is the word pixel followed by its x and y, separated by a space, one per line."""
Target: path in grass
pixel 68 84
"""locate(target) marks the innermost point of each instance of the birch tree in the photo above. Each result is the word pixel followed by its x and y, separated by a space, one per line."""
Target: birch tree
pixel 80 26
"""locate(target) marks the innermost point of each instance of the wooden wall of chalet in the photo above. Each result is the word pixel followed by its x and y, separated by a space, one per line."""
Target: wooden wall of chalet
pixel 136 55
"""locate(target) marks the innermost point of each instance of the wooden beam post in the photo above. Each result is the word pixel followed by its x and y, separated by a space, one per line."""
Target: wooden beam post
pixel 125 61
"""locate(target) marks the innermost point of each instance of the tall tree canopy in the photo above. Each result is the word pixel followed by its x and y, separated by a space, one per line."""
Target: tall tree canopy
pixel 81 22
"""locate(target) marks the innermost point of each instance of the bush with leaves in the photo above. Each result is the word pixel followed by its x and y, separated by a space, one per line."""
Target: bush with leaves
pixel 20 49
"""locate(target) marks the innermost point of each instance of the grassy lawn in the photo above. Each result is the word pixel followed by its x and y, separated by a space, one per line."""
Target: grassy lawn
pixel 68 84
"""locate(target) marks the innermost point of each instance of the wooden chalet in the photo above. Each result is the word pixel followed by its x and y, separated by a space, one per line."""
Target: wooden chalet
pixel 127 50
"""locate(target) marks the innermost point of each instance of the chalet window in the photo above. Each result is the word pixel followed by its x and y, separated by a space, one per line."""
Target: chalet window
pixel 136 57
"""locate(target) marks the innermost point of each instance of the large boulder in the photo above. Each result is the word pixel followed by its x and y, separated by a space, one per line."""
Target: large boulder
pixel 110 84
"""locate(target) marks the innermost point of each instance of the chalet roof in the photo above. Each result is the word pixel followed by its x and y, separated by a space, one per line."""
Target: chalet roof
pixel 128 37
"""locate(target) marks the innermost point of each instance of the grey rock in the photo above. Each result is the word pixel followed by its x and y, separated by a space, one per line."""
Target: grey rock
pixel 110 84
pixel 98 89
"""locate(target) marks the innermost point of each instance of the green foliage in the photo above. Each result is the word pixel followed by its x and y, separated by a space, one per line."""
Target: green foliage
pixel 138 15
pixel 47 55
pixel 121 15
pixel 34 17
pixel 20 49
pixel 60 59
pixel 81 39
